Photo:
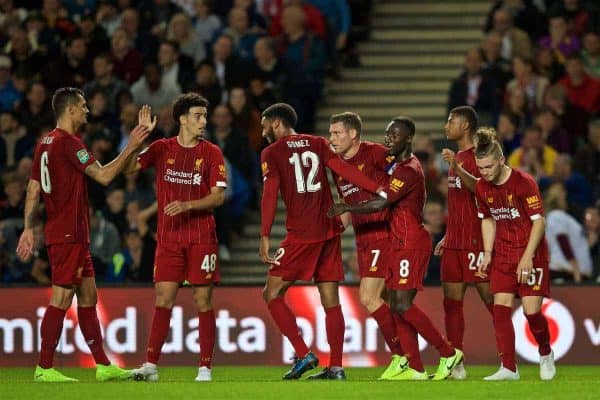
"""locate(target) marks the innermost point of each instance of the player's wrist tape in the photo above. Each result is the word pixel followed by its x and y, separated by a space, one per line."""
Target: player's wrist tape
pixel 382 194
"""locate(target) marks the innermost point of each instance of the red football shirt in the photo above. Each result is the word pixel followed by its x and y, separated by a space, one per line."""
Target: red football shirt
pixel 184 174
pixel 295 165
pixel 59 164
pixel 463 231
pixel 406 192
pixel 371 159
pixel 513 205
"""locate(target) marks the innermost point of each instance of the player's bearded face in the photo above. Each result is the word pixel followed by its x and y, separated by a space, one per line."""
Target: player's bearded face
pixel 267 130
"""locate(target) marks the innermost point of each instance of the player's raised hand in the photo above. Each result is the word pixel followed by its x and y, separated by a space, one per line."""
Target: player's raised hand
pixel 336 209
pixel 265 248
pixel 524 269
pixel 146 119
pixel 137 136
pixel 449 156
pixel 176 207
pixel 25 245
pixel 439 247
pixel 485 263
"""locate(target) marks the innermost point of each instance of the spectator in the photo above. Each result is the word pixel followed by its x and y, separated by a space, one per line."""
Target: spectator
pixel 128 62
pixel 246 118
pixel 529 81
pixel 578 16
pixel 177 70
pixel 587 160
pixel 149 89
pixel 24 168
pixel 315 23
pixel 591 54
pixel 579 191
pixel 9 96
pixel 582 89
pixel 115 208
pixel 207 85
pixel 13 206
pixel 516 106
pixel 434 220
pixel 570 257
pixel 547 65
pixel 25 60
pixel 180 31
pixel 267 65
pixel 107 16
pixel 554 135
pixel 244 36
pixel 572 118
pixel 497 67
pixel 42 38
pixel 526 16
pixel 99 117
pixel 95 36
pixel 255 18
pixel 71 69
pixel 126 264
pixel 105 240
pixel 475 88
pixel 560 41
pixel 591 224
pixel 143 41
pixel 305 60
pixel 205 23
pixel 14 142
pixel 128 118
pixel 230 69
pixel 34 111
pixel 261 95
pixel 155 15
pixel 515 42
pixel 534 156
pixel 105 81
pixel 508 133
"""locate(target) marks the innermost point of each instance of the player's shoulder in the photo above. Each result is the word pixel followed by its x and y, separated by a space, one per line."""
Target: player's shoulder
pixel 523 179
pixel 377 150
pixel 211 147
pixel 466 155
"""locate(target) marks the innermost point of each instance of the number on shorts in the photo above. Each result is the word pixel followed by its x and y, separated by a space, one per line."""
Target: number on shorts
pixel 279 254
pixel 376 253
pixel 404 271
pixel 45 173
pixel 310 185
pixel 475 261
pixel 536 277
pixel 209 263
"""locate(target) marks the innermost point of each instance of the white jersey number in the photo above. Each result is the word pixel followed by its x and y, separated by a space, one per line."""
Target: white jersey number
pixel 209 263
pixel 45 173
pixel 310 185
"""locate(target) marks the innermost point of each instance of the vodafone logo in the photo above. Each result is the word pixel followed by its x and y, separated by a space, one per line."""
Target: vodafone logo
pixel 560 324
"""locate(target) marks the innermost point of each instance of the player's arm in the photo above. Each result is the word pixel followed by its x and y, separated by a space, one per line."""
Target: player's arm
pixel 465 176
pixel 353 175
pixel 104 174
pixel 535 237
pixel 488 234
pixel 268 207
pixel 368 207
pixel 32 199
pixel 214 199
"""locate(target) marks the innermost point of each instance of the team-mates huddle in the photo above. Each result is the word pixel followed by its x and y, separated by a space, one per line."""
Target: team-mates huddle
pixel 383 192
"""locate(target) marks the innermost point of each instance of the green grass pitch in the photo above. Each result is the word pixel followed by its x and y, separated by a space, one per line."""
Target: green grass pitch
pixel 572 382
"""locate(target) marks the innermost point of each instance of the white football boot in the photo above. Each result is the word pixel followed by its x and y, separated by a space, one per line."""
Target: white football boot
pixel 204 375
pixel 547 368
pixel 147 372
pixel 503 374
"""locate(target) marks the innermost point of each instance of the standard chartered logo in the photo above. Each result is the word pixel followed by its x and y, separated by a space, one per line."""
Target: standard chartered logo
pixel 182 177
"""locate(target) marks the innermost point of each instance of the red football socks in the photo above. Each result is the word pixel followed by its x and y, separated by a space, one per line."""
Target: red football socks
pixel 51 328
pixel 424 326
pixel 158 333
pixel 454 320
pixel 387 326
pixel 207 327
pixel 90 327
pixel 286 321
pixel 409 341
pixel 335 326
pixel 538 324
pixel 505 336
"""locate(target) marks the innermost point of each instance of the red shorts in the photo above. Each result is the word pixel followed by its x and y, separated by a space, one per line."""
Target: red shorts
pixel 408 269
pixel 321 261
pixel 375 259
pixel 503 278
pixel 461 266
pixel 69 263
pixel 196 263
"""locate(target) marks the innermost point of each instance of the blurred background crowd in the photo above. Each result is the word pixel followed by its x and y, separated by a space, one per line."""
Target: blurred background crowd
pixel 534 76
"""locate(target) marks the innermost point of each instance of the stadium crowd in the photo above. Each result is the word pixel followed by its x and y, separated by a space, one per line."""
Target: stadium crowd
pixel 241 55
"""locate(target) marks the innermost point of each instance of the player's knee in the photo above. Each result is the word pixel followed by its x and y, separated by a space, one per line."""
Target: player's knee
pixel 164 302
pixel 369 301
pixel 203 304
pixel 269 294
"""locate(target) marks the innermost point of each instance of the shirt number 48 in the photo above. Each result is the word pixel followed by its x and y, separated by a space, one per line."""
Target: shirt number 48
pixel 209 263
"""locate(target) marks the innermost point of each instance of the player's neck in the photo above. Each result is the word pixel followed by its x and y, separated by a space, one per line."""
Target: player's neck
pixel 351 151
pixel 504 175
pixel 187 141
pixel 405 155
pixel 465 142
pixel 67 126
pixel 285 133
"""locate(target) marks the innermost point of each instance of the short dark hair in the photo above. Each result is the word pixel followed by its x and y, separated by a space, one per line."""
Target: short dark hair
pixel 350 120
pixel 283 112
pixel 172 43
pixel 469 114
pixel 184 102
pixel 63 98
pixel 407 122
